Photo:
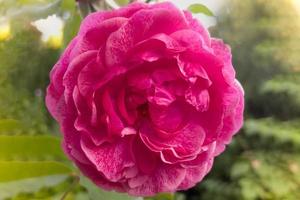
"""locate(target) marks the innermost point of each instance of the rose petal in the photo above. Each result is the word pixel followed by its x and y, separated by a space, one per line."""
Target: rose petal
pixel 109 158
pixel 143 24
pixel 165 178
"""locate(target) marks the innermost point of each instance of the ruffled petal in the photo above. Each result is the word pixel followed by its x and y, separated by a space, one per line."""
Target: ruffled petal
pixel 165 178
pixel 142 25
pixel 109 158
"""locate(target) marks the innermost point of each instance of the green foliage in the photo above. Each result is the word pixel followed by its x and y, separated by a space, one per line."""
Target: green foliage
pixel 264 36
pixel 280 90
pixel 30 148
pixel 16 170
pixel 283 134
pixel 95 193
pixel 200 8
pixel 29 186
pixel 262 162
pixel 122 2
pixel 163 196
pixel 71 26
pixel 9 125
pixel 32 163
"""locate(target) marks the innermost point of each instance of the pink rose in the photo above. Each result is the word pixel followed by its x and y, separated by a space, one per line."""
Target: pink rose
pixel 145 99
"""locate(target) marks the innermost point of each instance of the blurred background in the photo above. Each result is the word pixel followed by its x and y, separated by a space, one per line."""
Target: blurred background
pixel 262 162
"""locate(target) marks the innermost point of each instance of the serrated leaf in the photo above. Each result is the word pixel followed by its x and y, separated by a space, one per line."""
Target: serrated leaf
pixel 16 170
pixel 30 148
pixel 200 8
pixel 96 193
pixel 30 185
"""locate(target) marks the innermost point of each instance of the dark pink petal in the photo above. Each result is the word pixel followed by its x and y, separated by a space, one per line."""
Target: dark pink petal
pixel 96 37
pixel 142 25
pixel 114 123
pixel 71 76
pixel 233 119
pixel 223 53
pixel 54 96
pixel 183 143
pixel 84 122
pixel 189 39
pixel 198 98
pixel 194 175
pixel 167 119
pixel 146 160
pixel 109 158
pixel 89 77
pixel 207 152
pixel 99 179
pixel 196 25
pixel 139 80
pixel 166 178
pixel 129 116
pixel 192 70
pixel 160 96
pixel 158 46
pixel 94 19
pixel 166 74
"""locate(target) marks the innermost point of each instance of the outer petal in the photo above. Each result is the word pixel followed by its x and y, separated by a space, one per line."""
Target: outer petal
pixel 223 53
pixel 184 144
pixel 166 178
pixel 109 159
pixel 96 37
pixel 195 25
pixel 233 119
pixel 142 25
pixel 195 175
pixel 94 19
pixel 54 97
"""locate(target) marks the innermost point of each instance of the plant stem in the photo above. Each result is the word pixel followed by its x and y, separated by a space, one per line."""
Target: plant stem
pixel 72 186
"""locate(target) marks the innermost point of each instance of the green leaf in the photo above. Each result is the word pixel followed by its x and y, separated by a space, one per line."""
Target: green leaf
pixel 95 193
pixel 282 131
pixel 16 170
pixel 122 2
pixel 162 196
pixel 30 148
pixel 240 168
pixel 8 125
pixel 200 8
pixel 30 185
pixel 71 27
pixel 68 5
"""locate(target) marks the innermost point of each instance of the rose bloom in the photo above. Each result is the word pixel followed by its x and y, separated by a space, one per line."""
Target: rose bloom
pixel 145 99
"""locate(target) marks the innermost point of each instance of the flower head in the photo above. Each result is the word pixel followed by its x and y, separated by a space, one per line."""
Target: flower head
pixel 145 99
